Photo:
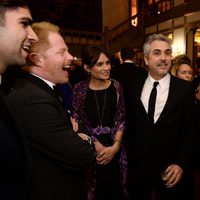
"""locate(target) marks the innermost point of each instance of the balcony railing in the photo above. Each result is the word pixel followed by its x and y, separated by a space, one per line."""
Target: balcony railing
pixel 158 7
pixel 83 37
pixel 111 35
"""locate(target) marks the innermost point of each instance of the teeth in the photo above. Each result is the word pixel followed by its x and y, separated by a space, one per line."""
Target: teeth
pixel 26 48
pixel 66 66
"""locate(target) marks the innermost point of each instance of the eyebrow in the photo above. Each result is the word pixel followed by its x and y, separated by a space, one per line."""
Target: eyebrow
pixel 161 50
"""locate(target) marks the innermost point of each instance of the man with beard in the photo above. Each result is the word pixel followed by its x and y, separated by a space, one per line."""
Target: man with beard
pixel 162 128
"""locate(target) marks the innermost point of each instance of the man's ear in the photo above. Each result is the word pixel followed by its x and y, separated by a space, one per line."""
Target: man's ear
pixel 146 60
pixel 36 59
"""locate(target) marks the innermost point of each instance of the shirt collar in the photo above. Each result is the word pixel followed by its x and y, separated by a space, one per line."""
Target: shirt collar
pixel 128 61
pixel 49 83
pixel 162 82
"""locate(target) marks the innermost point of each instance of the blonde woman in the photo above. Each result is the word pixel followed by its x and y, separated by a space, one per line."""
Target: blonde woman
pixel 182 68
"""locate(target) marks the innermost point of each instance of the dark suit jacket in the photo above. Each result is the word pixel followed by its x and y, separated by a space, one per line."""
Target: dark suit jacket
pixel 126 72
pixel 59 156
pixel 14 158
pixel 152 148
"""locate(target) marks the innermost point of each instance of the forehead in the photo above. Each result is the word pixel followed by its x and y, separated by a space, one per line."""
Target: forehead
pixel 185 67
pixel 18 14
pixel 102 57
pixel 56 40
pixel 159 45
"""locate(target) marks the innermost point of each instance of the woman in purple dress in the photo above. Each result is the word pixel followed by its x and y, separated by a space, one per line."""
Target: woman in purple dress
pixel 98 107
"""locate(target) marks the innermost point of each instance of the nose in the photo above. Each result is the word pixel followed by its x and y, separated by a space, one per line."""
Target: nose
pixel 107 66
pixel 163 56
pixel 32 35
pixel 69 56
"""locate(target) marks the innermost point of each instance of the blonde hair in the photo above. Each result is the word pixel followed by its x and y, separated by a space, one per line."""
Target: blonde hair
pixel 179 60
pixel 42 30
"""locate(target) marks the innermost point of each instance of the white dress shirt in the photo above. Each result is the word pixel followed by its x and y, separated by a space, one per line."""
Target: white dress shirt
pixel 162 94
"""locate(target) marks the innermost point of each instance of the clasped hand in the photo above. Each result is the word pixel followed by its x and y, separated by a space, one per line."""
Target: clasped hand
pixel 104 154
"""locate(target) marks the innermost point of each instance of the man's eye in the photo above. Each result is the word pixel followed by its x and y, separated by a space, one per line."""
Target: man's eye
pixel 168 53
pixel 156 53
pixel 25 23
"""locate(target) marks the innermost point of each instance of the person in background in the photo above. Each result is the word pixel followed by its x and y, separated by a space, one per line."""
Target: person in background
pixel 197 66
pixel 196 87
pixel 98 104
pixel 65 93
pixel 16 37
pixel 182 67
pixel 125 72
pixel 114 61
pixel 128 70
pixel 59 156
pixel 162 130
pixel 76 73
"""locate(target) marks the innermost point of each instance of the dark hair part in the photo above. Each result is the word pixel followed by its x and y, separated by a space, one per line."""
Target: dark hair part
pixel 90 55
pixel 6 5
pixel 127 53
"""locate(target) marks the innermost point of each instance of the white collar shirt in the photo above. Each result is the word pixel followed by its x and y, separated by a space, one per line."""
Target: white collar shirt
pixel 162 94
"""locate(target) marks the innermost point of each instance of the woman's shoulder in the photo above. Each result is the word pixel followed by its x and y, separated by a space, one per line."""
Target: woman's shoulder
pixel 115 82
pixel 81 84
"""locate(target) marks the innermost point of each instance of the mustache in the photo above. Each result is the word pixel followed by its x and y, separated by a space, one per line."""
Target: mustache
pixel 163 63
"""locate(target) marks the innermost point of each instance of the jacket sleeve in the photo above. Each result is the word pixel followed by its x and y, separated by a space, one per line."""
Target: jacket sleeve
pixel 49 132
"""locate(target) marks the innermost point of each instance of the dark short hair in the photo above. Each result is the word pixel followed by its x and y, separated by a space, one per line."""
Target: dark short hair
pixel 6 5
pixel 90 55
pixel 127 53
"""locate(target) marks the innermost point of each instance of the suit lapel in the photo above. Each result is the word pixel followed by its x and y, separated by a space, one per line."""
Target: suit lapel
pixel 44 86
pixel 139 107
pixel 172 96
pixel 39 83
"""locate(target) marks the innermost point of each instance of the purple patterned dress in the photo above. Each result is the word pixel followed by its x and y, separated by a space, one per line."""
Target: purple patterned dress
pixel 86 113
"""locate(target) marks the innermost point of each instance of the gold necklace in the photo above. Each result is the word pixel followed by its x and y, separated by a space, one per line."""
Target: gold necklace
pixel 101 117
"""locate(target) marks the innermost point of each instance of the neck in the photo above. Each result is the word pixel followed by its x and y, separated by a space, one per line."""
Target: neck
pixel 99 84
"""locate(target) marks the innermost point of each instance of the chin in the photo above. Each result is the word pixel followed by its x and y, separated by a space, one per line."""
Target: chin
pixel 65 80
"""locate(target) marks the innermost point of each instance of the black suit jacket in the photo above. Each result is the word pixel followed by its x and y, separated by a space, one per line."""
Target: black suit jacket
pixel 14 156
pixel 127 71
pixel 170 140
pixel 59 156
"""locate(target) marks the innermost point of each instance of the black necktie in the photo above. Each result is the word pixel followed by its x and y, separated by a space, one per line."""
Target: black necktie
pixel 152 101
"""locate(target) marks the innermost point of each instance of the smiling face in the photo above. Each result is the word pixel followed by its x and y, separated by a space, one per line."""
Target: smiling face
pixel 16 36
pixel 101 70
pixel 158 59
pixel 55 60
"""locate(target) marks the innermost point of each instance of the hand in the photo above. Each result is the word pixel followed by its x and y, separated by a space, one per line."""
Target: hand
pixel 74 124
pixel 98 146
pixel 172 175
pixel 106 155
pixel 83 136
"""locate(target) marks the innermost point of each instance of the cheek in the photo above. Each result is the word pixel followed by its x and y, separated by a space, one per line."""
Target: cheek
pixel 180 74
